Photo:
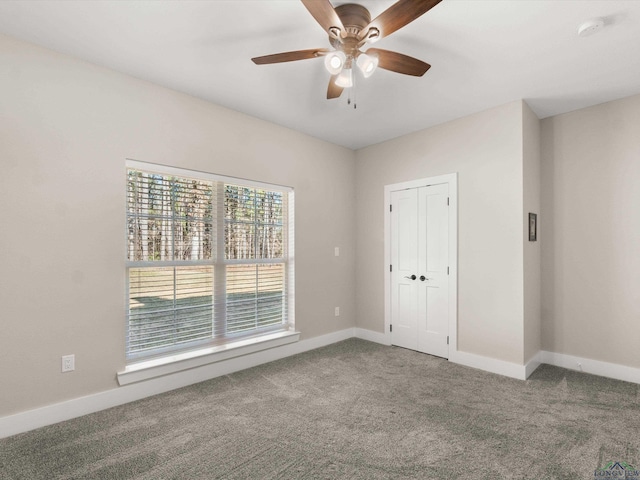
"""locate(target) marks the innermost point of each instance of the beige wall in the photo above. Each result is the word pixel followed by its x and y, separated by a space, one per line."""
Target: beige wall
pixel 532 250
pixel 591 232
pixel 66 128
pixel 486 150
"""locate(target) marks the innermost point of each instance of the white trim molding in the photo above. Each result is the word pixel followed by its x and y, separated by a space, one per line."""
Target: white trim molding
pixel 77 407
pixel 370 335
pixel 594 367
pixel 452 180
pixel 488 364
pixel 179 362
pixel 137 390
pixel 533 364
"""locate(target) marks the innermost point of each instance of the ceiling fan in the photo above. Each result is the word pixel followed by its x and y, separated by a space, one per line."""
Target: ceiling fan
pixel 350 28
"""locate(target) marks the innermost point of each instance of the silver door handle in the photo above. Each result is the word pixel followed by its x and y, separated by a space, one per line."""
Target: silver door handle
pixel 412 277
pixel 423 278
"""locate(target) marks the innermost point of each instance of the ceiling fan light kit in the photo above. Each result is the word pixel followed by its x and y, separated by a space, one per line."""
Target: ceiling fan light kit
pixel 345 78
pixel 350 28
pixel 367 64
pixel 334 62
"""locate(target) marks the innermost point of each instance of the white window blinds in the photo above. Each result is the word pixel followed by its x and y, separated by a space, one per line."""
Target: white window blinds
pixel 209 260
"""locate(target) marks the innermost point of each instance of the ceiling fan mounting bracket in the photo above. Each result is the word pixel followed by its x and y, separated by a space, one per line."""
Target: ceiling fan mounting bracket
pixel 334 33
pixel 372 35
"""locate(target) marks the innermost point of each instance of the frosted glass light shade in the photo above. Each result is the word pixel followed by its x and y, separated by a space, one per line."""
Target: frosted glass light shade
pixel 345 79
pixel 334 62
pixel 367 64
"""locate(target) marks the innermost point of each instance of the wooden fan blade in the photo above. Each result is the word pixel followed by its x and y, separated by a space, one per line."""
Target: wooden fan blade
pixel 290 56
pixel 397 16
pixel 333 91
pixel 397 62
pixel 325 14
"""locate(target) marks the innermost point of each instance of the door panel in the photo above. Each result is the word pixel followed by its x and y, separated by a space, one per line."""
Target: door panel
pixel 433 234
pixel 404 329
pixel 404 258
pixel 419 246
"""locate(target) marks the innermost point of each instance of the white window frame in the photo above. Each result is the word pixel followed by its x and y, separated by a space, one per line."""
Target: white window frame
pixel 177 359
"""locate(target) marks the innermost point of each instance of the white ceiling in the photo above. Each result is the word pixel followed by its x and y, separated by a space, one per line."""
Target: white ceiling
pixel 483 53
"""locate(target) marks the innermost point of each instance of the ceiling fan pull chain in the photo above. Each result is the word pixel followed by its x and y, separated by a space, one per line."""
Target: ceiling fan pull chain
pixel 354 98
pixel 354 92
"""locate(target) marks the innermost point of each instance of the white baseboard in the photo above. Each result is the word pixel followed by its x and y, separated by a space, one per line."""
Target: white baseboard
pixel 77 407
pixel 488 364
pixel 370 335
pixel 594 367
pixel 532 364
pixel 570 362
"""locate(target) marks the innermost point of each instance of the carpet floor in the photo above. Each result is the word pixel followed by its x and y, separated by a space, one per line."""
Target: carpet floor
pixel 352 410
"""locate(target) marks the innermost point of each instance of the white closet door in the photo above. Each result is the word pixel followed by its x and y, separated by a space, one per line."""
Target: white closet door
pixel 419 259
pixel 404 261
pixel 433 254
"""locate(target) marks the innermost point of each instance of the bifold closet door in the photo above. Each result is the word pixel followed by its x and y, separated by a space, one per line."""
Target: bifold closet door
pixel 419 269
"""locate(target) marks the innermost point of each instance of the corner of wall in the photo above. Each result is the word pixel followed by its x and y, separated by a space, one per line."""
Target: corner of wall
pixel 532 262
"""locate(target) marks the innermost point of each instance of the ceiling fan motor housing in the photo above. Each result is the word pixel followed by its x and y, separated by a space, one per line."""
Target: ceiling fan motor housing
pixel 354 18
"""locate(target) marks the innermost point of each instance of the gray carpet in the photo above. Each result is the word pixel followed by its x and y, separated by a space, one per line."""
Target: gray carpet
pixel 353 410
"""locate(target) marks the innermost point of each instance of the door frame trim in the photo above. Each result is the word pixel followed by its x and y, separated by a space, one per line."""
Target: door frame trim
pixel 452 180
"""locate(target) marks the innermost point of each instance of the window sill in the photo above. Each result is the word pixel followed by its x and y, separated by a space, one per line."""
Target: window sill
pixel 158 367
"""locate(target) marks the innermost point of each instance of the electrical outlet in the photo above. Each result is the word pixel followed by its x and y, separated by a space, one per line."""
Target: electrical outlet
pixel 337 311
pixel 336 251
pixel 68 363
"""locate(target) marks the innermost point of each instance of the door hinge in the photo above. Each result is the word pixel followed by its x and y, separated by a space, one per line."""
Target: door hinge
pixel 391 328
pixel 447 270
pixel 391 208
pixel 447 339
pixel 447 201
pixel 391 268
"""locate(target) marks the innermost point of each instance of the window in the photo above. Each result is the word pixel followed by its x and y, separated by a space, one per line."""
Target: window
pixel 209 260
